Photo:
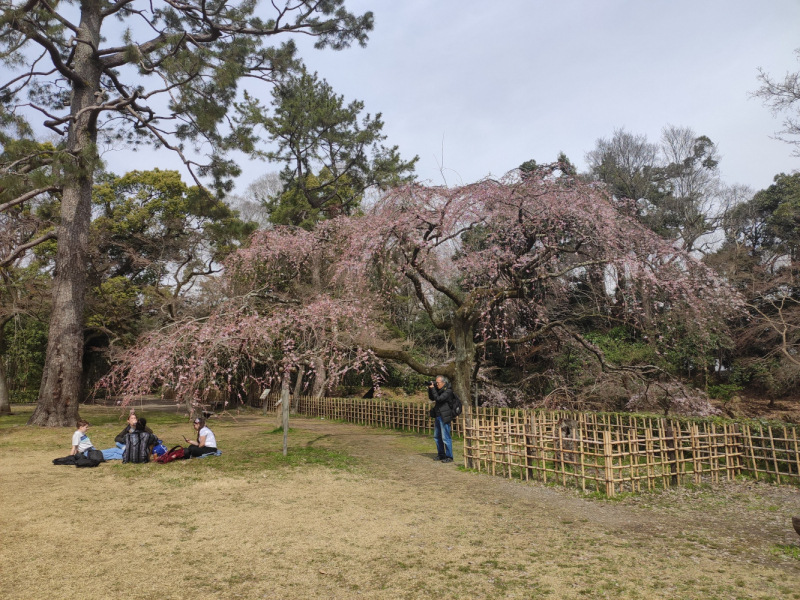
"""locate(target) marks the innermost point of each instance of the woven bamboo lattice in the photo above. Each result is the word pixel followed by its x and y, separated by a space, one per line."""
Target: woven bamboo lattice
pixel 613 453
pixel 607 453
pixel 406 416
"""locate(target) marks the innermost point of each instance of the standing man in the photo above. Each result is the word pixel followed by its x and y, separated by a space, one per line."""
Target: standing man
pixel 441 392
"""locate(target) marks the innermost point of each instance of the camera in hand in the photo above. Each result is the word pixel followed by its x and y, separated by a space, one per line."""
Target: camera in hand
pixel 430 383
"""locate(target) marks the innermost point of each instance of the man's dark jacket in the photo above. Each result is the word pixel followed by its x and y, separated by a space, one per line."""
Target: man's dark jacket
pixel 443 399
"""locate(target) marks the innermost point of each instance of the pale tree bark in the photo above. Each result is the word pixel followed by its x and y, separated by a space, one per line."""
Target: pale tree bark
pixel 320 376
pixel 298 387
pixel 61 390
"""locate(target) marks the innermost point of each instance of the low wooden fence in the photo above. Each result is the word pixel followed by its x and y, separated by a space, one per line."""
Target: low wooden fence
pixel 607 453
pixel 613 453
pixel 406 416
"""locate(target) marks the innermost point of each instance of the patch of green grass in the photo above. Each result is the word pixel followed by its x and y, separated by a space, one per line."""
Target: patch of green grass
pixel 790 550
pixel 280 430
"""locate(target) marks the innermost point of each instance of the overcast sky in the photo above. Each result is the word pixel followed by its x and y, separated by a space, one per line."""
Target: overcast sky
pixel 483 86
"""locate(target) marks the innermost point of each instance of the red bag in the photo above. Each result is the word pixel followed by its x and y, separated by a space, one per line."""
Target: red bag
pixel 175 453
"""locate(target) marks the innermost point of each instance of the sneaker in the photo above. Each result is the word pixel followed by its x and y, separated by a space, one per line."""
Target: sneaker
pixel 447 460
pixel 438 458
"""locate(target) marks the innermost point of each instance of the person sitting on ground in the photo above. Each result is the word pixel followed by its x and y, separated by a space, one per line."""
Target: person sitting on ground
pixel 206 441
pixel 116 452
pixel 80 441
pixel 138 444
pixel 120 439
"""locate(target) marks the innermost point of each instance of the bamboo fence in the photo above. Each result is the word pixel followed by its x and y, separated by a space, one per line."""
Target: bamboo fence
pixel 613 453
pixel 608 453
pixel 406 416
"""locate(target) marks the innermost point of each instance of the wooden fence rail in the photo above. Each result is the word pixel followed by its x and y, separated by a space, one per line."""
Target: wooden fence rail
pixel 607 453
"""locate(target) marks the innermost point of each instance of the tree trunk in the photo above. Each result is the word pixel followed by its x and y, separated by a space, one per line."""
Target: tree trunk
pixel 298 388
pixel 60 390
pixel 319 378
pixel 5 402
pixel 464 362
pixel 285 410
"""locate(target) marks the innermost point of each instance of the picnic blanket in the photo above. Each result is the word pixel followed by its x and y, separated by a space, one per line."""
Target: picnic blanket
pixel 217 453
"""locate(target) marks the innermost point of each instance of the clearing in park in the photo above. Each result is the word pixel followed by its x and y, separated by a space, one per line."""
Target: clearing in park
pixel 359 512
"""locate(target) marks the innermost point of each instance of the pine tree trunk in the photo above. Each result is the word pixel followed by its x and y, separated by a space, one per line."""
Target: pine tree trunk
pixel 61 388
pixel 5 401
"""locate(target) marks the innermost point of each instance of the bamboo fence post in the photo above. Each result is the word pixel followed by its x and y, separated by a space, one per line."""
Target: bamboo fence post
pixel 752 450
pixel 796 453
pixel 774 456
pixel 508 445
pixel 561 457
pixel 669 438
pixel 608 463
pixel 581 449
pixel 491 441
pixel 527 416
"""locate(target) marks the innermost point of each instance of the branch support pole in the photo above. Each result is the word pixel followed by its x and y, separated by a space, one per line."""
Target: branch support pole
pixel 285 409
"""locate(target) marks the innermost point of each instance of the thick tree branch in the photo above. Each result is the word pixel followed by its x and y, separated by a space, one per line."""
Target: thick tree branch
pixel 404 357
pixel 51 235
pixel 438 323
pixel 27 196
pixel 52 50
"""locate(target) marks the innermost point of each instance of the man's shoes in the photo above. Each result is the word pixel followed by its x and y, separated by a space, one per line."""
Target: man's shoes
pixel 447 460
pixel 438 458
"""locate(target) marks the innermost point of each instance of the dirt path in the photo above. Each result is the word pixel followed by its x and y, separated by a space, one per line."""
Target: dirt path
pixel 394 525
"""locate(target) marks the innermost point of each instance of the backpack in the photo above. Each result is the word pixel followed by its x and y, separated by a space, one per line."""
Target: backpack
pixel 160 449
pixel 175 453
pixel 66 460
pixel 84 461
pixel 93 454
pixel 456 406
pixel 136 447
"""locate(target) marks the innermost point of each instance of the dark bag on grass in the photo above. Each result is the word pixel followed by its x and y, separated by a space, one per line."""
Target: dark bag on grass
pixel 83 462
pixel 175 453
pixel 65 460
pixel 95 454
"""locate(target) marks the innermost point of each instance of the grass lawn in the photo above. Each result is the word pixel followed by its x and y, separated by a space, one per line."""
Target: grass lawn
pixel 356 512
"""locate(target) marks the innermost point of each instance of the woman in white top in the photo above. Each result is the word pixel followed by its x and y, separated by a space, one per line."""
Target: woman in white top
pixel 206 442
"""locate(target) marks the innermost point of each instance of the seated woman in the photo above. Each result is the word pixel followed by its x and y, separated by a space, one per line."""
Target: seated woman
pixel 206 441
pixel 116 452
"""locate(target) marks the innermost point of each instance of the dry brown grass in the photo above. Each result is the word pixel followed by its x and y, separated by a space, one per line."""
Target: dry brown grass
pixel 362 513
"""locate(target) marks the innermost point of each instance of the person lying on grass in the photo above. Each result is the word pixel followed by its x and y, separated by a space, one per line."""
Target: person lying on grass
pixel 206 441
pixel 80 441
